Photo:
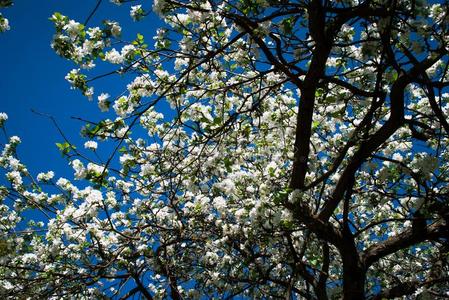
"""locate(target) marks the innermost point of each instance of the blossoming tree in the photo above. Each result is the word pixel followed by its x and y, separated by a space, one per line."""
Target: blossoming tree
pixel 262 148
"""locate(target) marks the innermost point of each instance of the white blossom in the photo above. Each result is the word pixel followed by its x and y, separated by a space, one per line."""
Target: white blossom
pixel 4 24
pixel 45 176
pixel 91 145
pixel 136 12
pixel 103 101
pixel 3 118
pixel 80 170
pixel 114 57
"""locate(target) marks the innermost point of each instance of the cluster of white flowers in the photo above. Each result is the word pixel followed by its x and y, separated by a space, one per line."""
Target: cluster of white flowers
pixel 15 178
pixel 95 169
pixel 80 170
pixel 137 12
pixel 73 28
pixel 126 159
pixel 149 120
pixel 114 28
pixel 4 24
pixel 103 101
pixel 45 176
pixel 199 112
pixel 123 106
pixel 89 93
pixel 425 163
pixel 142 86
pixel 146 169
pixel 159 6
pixel 3 118
pixel 91 145
pixel 114 57
pixel 73 77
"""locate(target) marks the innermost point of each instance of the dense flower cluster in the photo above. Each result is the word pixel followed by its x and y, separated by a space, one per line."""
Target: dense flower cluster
pixel 4 22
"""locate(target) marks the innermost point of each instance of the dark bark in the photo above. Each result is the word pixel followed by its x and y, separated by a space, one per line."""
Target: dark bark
pixel 354 276
pixel 323 42
pixel 369 146
pixel 321 288
pixel 404 240
pixel 142 288
pixel 407 288
pixel 354 273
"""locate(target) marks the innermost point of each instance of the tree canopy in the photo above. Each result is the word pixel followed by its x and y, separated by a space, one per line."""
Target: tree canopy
pixel 260 149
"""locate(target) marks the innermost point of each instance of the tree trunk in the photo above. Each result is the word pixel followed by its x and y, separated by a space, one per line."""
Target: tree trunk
pixel 354 277
pixel 354 270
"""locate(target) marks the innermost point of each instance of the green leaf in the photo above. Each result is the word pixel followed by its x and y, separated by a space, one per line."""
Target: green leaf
pixel 65 148
pixel 287 25
pixel 123 150
pixel 228 164
pixel 281 196
pixel 140 38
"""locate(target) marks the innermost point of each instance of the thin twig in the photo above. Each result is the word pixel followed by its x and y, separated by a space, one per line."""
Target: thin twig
pixel 92 12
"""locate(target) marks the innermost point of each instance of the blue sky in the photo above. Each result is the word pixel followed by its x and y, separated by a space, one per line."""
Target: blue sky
pixel 32 77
